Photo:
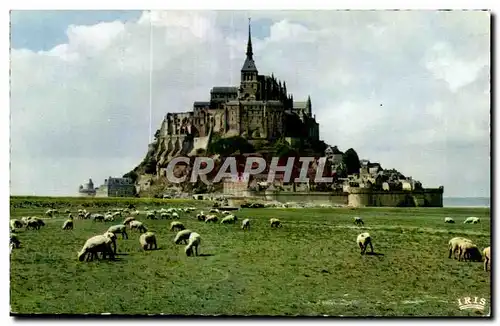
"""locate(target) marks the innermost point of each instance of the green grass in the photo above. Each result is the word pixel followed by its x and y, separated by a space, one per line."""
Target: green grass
pixel 311 266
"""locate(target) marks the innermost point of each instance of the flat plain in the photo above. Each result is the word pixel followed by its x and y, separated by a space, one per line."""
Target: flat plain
pixel 311 266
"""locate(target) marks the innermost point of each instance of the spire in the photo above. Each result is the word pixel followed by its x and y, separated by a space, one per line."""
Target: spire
pixel 249 44
pixel 249 64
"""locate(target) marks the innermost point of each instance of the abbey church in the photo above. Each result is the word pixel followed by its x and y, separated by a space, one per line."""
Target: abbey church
pixel 260 108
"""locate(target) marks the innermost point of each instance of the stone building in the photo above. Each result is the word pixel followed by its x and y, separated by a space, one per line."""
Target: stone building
pixel 259 108
pixel 87 189
pixel 117 187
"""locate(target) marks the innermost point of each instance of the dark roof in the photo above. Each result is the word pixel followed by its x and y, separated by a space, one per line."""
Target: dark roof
pixel 201 103
pixel 224 89
pixel 249 65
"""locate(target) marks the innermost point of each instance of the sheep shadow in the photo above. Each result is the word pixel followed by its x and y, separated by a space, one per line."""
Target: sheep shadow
pixel 122 254
pixel 205 255
pixel 374 254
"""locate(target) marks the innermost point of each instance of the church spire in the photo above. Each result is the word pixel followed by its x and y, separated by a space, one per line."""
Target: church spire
pixel 249 44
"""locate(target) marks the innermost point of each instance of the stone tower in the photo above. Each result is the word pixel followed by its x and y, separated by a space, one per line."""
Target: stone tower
pixel 249 83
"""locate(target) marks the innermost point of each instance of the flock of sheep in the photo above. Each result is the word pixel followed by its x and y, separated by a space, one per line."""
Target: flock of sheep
pixel 105 244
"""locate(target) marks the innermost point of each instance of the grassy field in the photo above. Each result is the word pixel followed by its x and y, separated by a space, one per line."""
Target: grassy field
pixel 310 266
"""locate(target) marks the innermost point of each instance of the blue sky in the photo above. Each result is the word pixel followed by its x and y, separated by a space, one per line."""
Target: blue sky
pixel 80 86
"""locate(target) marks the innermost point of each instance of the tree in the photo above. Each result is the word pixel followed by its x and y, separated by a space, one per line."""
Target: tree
pixel 351 161
pixel 132 175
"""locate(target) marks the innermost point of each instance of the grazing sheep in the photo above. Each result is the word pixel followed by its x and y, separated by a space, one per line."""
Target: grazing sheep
pixel 68 224
pixel 150 215
pixel 67 211
pixel 175 215
pixel 454 245
pixel 164 215
pixel 175 225
pixel 120 229
pixel 128 220
pixel 109 218
pixel 275 223
pixel 358 220
pixel 229 219
pixel 214 210
pixel 87 215
pixel 34 223
pixel 363 241
pixel 16 224
pixel 148 241
pixel 201 216
pixel 138 225
pixel 225 213
pixel 449 220
pixel 14 241
pixel 245 225
pixel 97 217
pixel 193 243
pixel 112 237
pixel 472 220
pixel 182 236
pixel 487 258
pixel 211 218
pixel 50 212
pixel 94 245
pixel 469 251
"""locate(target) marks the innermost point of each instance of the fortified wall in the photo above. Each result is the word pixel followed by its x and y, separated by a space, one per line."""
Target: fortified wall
pixel 360 197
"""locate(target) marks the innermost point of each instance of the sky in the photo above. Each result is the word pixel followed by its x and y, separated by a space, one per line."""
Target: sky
pixel 407 89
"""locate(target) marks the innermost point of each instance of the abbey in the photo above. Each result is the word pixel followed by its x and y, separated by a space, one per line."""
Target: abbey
pixel 260 108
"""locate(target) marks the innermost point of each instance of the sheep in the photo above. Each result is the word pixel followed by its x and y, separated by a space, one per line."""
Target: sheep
pixel 245 225
pixel 175 225
pixel 16 224
pixel 14 241
pixel 50 212
pixel 119 229
pixel 34 223
pixel 87 215
pixel 487 258
pixel 454 245
pixel 358 220
pixel 472 220
pixel 148 241
pixel 194 242
pixel 229 219
pixel 182 236
pixel 109 218
pixel 469 251
pixel 128 220
pixel 112 237
pixel 138 225
pixel 363 241
pixel 175 215
pixel 94 245
pixel 225 213
pixel 97 217
pixel 275 222
pixel 68 224
pixel 449 220
pixel 150 215
pixel 164 216
pixel 67 211
pixel 201 216
pixel 214 210
pixel 211 218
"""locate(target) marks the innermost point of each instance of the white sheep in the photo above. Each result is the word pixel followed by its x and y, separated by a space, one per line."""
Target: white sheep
pixel 469 251
pixel 182 236
pixel 193 243
pixel 16 224
pixel 472 220
pixel 164 215
pixel 34 223
pixel 97 217
pixel 112 237
pixel 14 241
pixel 119 229
pixel 229 219
pixel 175 225
pixel 211 218
pixel 151 215
pixel 109 218
pixel 245 225
pixel 449 220
pixel 214 210
pixel 95 245
pixel 487 258
pixel 275 222
pixel 50 212
pixel 137 225
pixel 454 245
pixel 225 213
pixel 363 241
pixel 128 220
pixel 175 215
pixel 358 220
pixel 67 211
pixel 68 224
pixel 148 241
pixel 201 216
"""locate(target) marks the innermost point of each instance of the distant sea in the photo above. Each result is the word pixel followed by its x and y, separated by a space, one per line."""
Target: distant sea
pixel 466 202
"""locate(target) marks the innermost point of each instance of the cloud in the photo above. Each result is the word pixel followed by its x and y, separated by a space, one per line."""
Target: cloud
pixel 408 89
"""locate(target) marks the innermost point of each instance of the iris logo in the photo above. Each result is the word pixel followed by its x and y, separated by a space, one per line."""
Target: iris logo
pixel 471 303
